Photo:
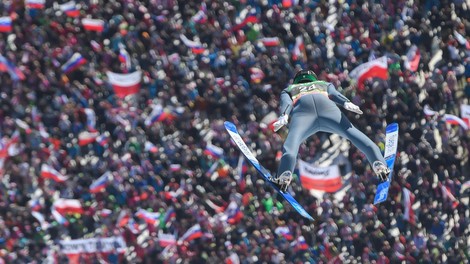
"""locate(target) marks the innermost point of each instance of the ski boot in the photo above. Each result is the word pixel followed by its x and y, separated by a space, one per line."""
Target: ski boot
pixel 381 170
pixel 283 181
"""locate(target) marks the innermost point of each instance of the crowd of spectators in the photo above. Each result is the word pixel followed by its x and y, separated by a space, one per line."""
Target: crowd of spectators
pixel 45 113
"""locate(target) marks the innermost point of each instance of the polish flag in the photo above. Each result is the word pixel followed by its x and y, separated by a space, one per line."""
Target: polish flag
pixel 5 24
pixel 47 172
pixel 70 9
pixel 377 68
pixel 408 200
pixel 270 42
pixel 166 239
pixel 152 218
pixel 73 63
pixel 85 137
pixel 192 233
pixel 213 151
pixel 327 179
pixel 35 4
pixel 125 84
pixel 93 24
pixel 412 58
pixel 100 183
pixel 68 206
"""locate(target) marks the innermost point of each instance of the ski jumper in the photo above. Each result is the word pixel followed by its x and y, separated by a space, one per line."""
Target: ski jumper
pixel 312 108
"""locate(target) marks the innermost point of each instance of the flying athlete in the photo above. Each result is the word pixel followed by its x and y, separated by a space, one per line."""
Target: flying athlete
pixel 311 105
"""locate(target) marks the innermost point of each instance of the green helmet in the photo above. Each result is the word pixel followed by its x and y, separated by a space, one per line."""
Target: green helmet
pixel 304 76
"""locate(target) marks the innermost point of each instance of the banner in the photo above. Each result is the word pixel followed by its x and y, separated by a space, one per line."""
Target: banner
pixel 326 179
pixel 93 245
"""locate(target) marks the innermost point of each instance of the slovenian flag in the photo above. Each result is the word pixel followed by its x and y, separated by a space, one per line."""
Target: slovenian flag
pixel 193 233
pixel 103 139
pixel 125 58
pixel 73 63
pixel 200 16
pixel 377 68
pixel 70 9
pixel 213 151
pixel 455 120
pixel 5 24
pixel 233 213
pixel 125 84
pixel 284 232
pixel 196 47
pixel 59 217
pixel 150 147
pixel 93 24
pixel 68 206
pixel 100 183
pixel 35 4
pixel 169 215
pixel 47 172
pixel 412 58
pixel 151 218
pixel 7 66
pixel 300 243
pixel 166 239
pixel 159 114
pixel 90 118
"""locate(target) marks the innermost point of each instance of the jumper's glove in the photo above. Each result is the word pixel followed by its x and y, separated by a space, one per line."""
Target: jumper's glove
pixel 352 107
pixel 281 121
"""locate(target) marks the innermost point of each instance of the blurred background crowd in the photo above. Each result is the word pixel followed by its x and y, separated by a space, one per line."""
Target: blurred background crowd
pixel 156 168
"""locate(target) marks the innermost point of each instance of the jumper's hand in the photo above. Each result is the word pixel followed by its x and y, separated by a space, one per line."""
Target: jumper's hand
pixel 352 107
pixel 281 121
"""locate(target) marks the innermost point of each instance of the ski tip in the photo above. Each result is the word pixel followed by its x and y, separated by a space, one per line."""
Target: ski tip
pixel 391 127
pixel 230 126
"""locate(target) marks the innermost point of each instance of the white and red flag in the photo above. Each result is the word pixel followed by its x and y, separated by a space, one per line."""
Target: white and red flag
pixel 68 206
pixel 47 172
pixel 326 179
pixel 93 24
pixel 377 68
pixel 125 84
